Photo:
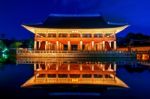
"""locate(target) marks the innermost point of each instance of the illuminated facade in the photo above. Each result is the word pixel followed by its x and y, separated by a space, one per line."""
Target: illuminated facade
pixel 75 33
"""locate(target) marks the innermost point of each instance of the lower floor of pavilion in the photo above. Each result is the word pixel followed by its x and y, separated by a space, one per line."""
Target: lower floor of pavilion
pixel 75 45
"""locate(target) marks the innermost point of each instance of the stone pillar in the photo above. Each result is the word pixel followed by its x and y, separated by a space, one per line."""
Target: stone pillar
pixel 115 45
pixel 81 44
pixel 103 45
pixel 69 46
pixel 35 45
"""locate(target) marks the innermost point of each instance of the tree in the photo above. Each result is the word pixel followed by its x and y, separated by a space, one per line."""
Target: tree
pixel 16 45
pixel 2 45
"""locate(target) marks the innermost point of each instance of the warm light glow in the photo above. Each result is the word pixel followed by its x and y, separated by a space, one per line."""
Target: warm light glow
pixel 75 80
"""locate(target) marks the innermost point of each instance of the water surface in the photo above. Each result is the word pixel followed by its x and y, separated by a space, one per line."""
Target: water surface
pixel 134 74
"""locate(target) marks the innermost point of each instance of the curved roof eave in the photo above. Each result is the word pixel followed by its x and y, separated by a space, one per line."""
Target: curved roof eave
pixel 117 29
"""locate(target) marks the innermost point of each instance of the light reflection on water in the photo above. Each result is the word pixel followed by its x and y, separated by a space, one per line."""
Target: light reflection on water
pixel 45 73
pixel 67 71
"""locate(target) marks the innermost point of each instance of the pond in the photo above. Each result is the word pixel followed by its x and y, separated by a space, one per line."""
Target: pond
pixel 75 78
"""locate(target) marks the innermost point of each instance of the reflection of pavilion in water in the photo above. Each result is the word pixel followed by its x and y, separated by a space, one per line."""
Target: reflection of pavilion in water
pixel 74 73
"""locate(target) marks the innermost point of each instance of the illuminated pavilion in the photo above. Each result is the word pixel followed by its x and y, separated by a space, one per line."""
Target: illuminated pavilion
pixel 74 36
pixel 75 33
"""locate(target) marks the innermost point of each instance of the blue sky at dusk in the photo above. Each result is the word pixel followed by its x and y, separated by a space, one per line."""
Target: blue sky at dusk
pixel 13 13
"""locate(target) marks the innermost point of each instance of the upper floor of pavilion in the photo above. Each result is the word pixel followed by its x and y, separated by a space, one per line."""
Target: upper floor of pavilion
pixel 72 23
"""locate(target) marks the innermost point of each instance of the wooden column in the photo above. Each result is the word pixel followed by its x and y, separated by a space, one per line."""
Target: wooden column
pixel 35 67
pixel 68 67
pixel 39 45
pixel 46 45
pixel 57 45
pixel 92 45
pixel 110 44
pixel 115 45
pixel 69 46
pixel 81 44
pixel 35 45
pixel 81 67
pixel 92 67
pixel 57 67
pixel 103 45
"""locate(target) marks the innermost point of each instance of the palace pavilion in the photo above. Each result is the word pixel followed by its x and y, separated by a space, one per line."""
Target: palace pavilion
pixel 65 36
pixel 75 33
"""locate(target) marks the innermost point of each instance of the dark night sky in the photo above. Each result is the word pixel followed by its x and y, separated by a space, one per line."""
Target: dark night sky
pixel 13 13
